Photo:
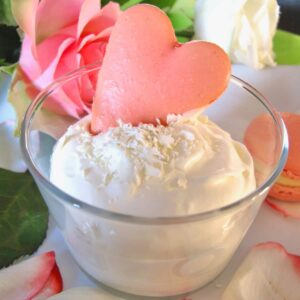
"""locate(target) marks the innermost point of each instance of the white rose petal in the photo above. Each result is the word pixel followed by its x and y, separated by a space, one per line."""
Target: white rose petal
pixel 10 150
pixel 243 28
pixel 6 109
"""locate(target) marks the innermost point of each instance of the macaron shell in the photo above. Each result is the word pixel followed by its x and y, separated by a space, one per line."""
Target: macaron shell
pixel 292 123
pixel 286 192
pixel 260 139
pixel 146 74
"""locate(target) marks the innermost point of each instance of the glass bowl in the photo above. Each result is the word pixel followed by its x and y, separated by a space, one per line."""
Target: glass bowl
pixel 161 256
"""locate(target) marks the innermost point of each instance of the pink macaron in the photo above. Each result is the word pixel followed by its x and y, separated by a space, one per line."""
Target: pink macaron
pixel 260 142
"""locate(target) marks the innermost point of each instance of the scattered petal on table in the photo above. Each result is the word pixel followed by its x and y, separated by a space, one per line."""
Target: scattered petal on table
pixel 287 209
pixel 268 272
pixel 36 278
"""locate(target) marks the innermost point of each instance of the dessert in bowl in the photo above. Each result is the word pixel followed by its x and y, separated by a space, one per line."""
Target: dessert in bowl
pixel 152 197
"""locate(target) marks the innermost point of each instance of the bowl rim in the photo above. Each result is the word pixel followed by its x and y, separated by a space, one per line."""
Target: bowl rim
pixel 128 218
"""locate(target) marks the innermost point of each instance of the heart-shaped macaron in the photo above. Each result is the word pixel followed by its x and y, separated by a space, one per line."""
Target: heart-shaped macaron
pixel 146 74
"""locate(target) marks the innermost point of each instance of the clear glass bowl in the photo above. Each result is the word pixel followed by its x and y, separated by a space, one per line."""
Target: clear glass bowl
pixel 153 256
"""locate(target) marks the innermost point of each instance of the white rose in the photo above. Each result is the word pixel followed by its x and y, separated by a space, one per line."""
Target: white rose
pixel 243 28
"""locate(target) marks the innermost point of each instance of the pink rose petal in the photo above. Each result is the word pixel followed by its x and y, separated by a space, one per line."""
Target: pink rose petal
pixel 47 50
pixel 28 61
pixel 268 272
pixel 87 91
pixel 93 52
pixel 53 15
pixel 48 75
pixel 103 36
pixel 24 12
pixel 69 31
pixel 89 9
pixel 287 209
pixel 70 61
pixel 60 102
pixel 105 18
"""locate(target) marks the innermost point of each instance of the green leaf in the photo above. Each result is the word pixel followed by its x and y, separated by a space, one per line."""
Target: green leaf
pixel 180 21
pixel 6 16
pixel 130 3
pixel 121 2
pixel 186 7
pixel 163 4
pixel 286 46
pixel 23 216
pixel 3 62
pixel 9 44
pixel 8 69
pixel 182 39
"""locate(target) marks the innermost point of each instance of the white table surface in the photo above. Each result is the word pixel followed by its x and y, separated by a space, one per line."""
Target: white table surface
pixel 281 85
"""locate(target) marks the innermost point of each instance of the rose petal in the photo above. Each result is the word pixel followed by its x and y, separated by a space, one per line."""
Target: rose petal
pixel 268 272
pixel 69 31
pixel 24 12
pixel 27 59
pixel 89 9
pixel 20 95
pixel 244 29
pixel 287 209
pixel 94 52
pixel 48 76
pixel 55 15
pixel 60 102
pixel 91 53
pixel 47 51
pixel 70 61
pixel 105 18
pixel 87 91
pixel 7 112
pixel 102 36
pixel 10 155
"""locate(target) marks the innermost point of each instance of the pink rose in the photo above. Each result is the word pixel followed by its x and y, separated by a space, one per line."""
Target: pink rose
pixel 60 36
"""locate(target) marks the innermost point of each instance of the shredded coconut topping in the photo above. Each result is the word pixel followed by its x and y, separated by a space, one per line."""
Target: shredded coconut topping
pixel 127 165
pixel 154 150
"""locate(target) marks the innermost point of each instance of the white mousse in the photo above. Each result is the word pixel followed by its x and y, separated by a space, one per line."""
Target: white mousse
pixel 187 167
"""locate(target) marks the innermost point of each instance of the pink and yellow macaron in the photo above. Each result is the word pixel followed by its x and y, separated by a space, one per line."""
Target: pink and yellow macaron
pixel 285 193
pixel 287 186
